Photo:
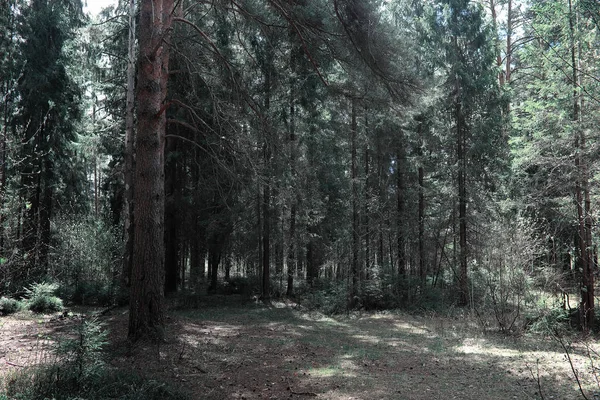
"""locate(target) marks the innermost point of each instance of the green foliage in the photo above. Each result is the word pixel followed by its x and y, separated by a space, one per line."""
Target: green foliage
pixel 502 284
pixel 327 297
pixel 82 355
pixel 86 256
pixel 40 298
pixel 80 373
pixel 546 321
pixel 10 306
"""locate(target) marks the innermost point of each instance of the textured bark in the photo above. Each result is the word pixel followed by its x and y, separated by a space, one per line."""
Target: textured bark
pixel 146 308
pixel 268 172
pixel 355 211
pixel 462 208
pixel 291 251
pixel 266 235
pixel 400 189
pixel 129 160
pixel 366 210
pixel 421 177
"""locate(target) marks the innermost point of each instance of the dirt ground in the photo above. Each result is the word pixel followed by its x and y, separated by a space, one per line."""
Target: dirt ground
pixel 236 350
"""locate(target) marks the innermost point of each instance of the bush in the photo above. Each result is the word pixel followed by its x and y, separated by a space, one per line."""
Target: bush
pixel 326 296
pixel 550 320
pixel 80 373
pixel 10 306
pixel 46 304
pixel 41 298
pixel 86 259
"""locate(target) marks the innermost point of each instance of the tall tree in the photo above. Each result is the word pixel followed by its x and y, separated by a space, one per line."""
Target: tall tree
pixel 129 165
pixel 474 106
pixel 146 310
pixel 48 100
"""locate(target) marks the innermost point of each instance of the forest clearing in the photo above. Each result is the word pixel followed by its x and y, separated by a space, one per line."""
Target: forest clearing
pixel 299 198
pixel 236 350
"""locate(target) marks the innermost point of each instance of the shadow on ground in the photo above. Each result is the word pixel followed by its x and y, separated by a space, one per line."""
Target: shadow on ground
pixel 250 351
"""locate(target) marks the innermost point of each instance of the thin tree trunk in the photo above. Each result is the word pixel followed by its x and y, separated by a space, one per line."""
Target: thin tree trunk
pixel 355 212
pixel 266 200
pixel 462 207
pixel 173 184
pixel 366 201
pixel 400 188
pixel 421 216
pixel 146 309
pixel 291 257
pixel 509 32
pixel 266 235
pixel 582 195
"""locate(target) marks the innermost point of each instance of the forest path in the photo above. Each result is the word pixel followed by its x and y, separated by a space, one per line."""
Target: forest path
pixel 232 350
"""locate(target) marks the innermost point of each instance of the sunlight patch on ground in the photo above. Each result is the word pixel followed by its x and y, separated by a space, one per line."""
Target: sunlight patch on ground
pixel 318 317
pixel 328 371
pixel 485 348
pixel 306 327
pixel 368 338
pixel 214 334
pixel 413 329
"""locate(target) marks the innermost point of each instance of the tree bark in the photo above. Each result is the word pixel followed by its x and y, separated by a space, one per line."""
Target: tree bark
pixel 172 209
pixel 462 206
pixel 146 308
pixel 400 188
pixel 355 211
pixel 291 255
pixel 266 200
pixel 129 160
pixel 366 209
pixel 421 177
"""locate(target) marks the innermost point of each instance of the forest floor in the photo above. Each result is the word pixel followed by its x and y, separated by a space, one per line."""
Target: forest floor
pixel 233 350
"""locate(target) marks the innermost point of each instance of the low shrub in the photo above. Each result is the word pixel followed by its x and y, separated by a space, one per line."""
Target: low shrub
pixel 326 296
pixel 45 304
pixel 41 298
pixel 544 321
pixel 80 373
pixel 10 306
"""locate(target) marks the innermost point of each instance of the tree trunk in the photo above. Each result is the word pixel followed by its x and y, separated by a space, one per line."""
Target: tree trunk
pixel 146 309
pixel 582 195
pixel 172 209
pixel 400 188
pixel 266 237
pixel 462 207
pixel 291 255
pixel 355 212
pixel 421 177
pixel 129 160
pixel 366 209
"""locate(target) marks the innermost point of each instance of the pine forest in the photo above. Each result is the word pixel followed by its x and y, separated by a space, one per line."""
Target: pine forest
pixel 268 199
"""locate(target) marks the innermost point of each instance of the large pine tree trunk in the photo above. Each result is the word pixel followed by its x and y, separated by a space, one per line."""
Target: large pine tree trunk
pixel 129 166
pixel 146 309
